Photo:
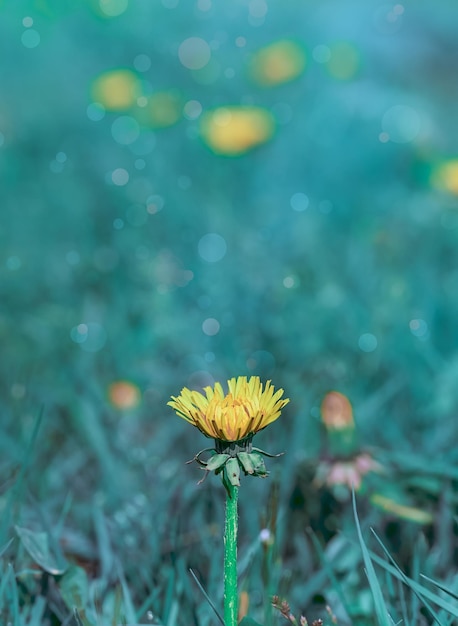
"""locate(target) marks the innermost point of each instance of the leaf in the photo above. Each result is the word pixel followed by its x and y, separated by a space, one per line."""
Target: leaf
pixel 74 588
pixel 441 586
pixel 37 545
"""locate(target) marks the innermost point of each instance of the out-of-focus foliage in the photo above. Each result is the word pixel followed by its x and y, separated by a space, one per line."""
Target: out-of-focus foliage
pixel 198 190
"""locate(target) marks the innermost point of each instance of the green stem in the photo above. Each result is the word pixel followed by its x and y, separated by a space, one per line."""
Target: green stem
pixel 230 557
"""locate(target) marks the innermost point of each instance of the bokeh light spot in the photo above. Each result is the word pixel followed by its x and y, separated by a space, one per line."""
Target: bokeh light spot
pixel 154 204
pixel 211 326
pixel 367 342
pixel 418 328
pixel 95 112
pixel 388 18
pixel 112 8
pixel 233 131
pixel 79 333
pixel 280 62
pixel 27 22
pixel 194 53
pixel 125 130
pixel 299 201
pixel 289 282
pixel 120 177
pixel 212 247
pixel 142 63
pixel 192 109
pixel 401 123
pixel 116 90
pixel 93 336
pixel 30 38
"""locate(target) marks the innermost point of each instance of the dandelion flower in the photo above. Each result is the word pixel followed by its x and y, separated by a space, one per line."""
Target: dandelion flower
pixel 248 407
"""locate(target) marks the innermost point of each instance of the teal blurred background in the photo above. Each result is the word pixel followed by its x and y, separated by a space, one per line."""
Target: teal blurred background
pixel 198 190
pixel 312 240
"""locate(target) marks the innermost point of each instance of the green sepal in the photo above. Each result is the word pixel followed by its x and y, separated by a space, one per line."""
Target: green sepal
pixel 232 472
pixel 216 462
pixel 263 452
pixel 197 458
pixel 246 462
pixel 258 464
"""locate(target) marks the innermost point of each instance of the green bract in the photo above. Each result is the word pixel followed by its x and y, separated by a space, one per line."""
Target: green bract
pixel 239 456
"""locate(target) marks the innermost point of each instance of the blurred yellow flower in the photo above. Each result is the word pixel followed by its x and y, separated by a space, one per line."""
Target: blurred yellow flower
pixel 234 130
pixel 117 89
pixel 124 394
pixel 336 411
pixel 277 63
pixel 248 407
pixel 401 510
pixel 445 176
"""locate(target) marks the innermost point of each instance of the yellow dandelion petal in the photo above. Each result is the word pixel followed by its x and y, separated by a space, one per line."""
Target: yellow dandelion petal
pixel 246 409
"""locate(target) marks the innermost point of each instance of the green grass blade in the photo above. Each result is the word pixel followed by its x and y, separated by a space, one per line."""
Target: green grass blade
pixel 404 579
pixel 206 596
pixel 379 602
pixel 440 586
pixel 423 591
pixel 14 495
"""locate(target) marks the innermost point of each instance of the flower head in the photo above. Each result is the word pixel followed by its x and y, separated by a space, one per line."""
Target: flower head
pixel 248 407
pixel 336 412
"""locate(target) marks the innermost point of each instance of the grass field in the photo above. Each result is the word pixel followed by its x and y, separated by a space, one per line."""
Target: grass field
pixel 196 191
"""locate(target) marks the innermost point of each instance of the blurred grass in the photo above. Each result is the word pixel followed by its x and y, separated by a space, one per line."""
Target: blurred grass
pixel 335 268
